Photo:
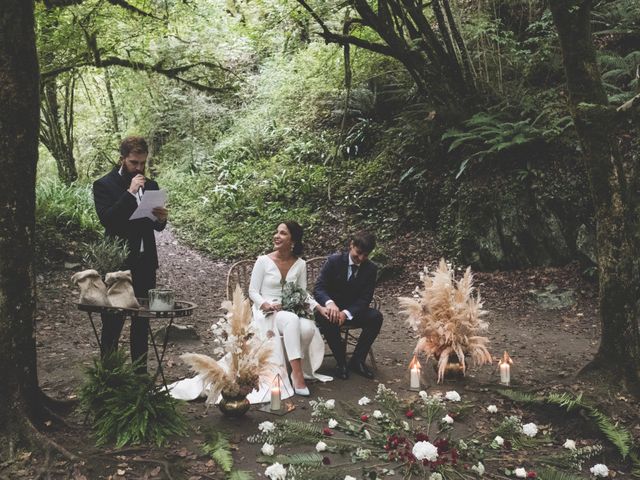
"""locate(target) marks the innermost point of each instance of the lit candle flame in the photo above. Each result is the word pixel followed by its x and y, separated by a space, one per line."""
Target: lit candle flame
pixel 506 359
pixel 415 363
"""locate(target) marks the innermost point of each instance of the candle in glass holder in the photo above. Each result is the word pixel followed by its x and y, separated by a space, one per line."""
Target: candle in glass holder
pixel 276 399
pixel 414 378
pixel 505 369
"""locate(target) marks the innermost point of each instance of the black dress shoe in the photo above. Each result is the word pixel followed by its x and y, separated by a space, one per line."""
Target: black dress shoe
pixel 342 372
pixel 361 369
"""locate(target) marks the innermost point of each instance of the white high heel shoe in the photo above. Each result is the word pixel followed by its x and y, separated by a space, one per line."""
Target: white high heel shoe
pixel 303 392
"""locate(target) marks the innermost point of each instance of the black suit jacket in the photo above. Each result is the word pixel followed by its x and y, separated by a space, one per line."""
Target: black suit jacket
pixel 115 205
pixel 332 284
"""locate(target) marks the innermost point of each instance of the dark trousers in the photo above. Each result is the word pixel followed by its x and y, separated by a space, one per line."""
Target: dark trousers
pixel 370 321
pixel 143 275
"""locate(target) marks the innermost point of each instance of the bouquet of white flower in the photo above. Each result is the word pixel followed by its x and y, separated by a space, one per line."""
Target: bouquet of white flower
pixel 295 299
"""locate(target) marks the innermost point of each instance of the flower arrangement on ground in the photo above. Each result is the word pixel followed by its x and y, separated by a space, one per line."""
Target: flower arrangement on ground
pixel 245 356
pixel 295 299
pixel 447 317
pixel 410 438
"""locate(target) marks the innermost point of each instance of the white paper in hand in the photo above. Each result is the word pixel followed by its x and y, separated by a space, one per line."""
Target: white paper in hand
pixel 150 200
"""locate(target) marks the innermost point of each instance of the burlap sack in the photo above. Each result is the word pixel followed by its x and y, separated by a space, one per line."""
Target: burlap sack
pixel 120 292
pixel 93 291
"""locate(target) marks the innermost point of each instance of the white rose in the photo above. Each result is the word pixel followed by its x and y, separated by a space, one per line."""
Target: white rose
pixel 520 472
pixel 377 414
pixel 330 404
pixel 405 425
pixel 425 450
pixel 333 423
pixel 570 444
pixel 492 409
pixel 266 427
pixel 276 472
pixel 349 477
pixel 423 395
pixel 452 396
pixel 367 435
pixel 499 440
pixel 267 449
pixel 364 401
pixel 599 470
pixel 435 476
pixel 530 429
pixel 447 419
pixel 321 446
pixel 479 468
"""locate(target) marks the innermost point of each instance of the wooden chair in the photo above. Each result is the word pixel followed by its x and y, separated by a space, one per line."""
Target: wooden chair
pixel 240 274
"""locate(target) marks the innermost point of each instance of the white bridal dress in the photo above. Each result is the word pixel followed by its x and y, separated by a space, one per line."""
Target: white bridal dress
pixel 266 286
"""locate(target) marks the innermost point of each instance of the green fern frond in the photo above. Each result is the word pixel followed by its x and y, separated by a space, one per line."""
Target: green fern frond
pixel 520 397
pixel 307 459
pixel 565 400
pixel 219 449
pixel 553 474
pixel 618 435
pixel 240 475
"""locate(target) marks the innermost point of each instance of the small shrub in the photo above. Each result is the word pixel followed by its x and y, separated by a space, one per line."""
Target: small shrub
pixel 127 407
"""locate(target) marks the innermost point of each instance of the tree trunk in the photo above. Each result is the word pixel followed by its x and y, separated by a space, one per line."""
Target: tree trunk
pixel 616 217
pixel 20 398
pixel 57 131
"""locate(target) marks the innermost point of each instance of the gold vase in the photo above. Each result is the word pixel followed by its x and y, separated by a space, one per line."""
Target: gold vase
pixel 234 405
pixel 453 369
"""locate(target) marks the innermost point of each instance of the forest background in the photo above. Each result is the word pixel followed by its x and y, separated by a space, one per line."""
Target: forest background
pixel 257 111
pixel 472 123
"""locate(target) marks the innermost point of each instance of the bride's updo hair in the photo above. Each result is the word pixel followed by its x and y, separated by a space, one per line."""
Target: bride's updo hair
pixel 296 236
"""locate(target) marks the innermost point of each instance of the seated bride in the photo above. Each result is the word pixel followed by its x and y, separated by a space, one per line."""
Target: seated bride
pixel 282 322
pixel 284 270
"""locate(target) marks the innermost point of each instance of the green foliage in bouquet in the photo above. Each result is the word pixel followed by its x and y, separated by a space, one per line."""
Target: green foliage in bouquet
pixel 127 407
pixel 295 299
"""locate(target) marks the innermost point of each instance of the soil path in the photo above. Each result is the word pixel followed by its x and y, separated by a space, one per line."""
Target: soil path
pixel 548 347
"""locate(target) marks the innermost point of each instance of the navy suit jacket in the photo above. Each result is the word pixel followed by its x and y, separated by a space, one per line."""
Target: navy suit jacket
pixel 332 284
pixel 114 205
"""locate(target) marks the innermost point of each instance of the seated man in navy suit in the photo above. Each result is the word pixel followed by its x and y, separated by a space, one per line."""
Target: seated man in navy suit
pixel 345 287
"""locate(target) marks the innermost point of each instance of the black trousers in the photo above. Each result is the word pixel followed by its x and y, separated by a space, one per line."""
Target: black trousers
pixel 370 321
pixel 143 275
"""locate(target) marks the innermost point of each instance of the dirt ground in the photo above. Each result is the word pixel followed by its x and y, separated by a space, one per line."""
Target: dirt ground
pixel 547 346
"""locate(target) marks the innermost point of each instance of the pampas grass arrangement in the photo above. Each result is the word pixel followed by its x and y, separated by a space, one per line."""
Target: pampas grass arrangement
pixel 447 317
pixel 245 356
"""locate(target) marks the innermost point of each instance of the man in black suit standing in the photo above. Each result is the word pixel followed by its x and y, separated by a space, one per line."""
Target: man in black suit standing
pixel 345 287
pixel 116 196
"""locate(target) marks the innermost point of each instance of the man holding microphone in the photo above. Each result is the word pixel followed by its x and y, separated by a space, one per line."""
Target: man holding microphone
pixel 116 196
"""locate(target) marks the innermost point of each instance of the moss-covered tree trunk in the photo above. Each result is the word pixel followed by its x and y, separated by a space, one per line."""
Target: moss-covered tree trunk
pixel 20 398
pixel 597 125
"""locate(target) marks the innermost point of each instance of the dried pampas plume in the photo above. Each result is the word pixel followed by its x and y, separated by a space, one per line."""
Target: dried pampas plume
pixel 447 317
pixel 246 357
pixel 213 374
